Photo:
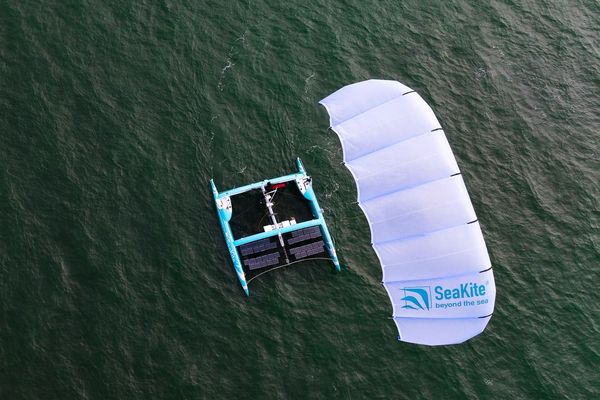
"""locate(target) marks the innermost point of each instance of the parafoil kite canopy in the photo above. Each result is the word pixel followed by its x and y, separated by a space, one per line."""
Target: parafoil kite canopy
pixel 436 267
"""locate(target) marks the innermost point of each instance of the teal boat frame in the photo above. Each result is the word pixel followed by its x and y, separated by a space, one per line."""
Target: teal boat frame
pixel 225 212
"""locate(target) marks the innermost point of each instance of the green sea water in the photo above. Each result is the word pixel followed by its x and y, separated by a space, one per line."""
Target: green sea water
pixel 115 280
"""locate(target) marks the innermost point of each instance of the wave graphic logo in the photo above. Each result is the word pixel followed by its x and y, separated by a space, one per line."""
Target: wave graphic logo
pixel 417 298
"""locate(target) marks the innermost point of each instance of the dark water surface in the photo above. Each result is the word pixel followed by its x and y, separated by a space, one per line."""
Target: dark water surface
pixel 116 283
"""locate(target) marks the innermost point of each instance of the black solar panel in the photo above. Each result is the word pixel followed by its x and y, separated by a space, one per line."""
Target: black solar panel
pixel 304 234
pixel 257 247
pixel 312 229
pixel 262 261
pixel 307 250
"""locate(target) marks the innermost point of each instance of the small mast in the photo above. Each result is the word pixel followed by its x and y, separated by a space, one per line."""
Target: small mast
pixel 269 204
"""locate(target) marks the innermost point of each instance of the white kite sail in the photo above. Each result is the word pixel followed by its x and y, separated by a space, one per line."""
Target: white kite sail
pixel 436 268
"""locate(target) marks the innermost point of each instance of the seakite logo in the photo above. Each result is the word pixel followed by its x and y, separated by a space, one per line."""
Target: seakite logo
pixel 417 298
pixel 466 294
